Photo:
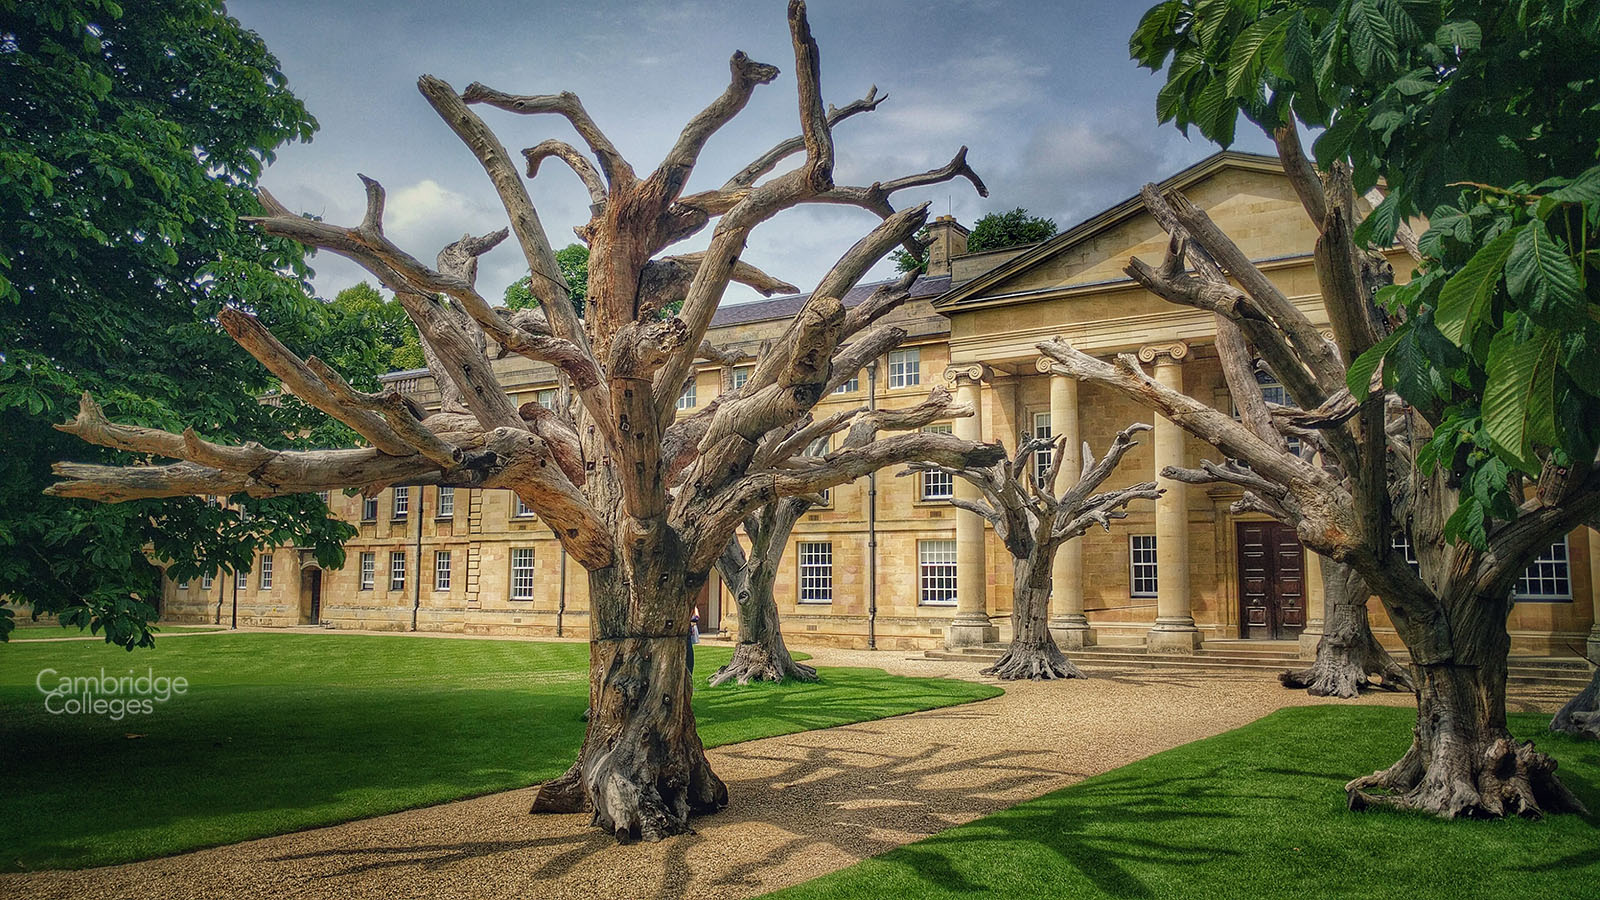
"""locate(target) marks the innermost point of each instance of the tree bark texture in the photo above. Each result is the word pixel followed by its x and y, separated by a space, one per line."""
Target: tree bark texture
pixel 1580 717
pixel 1033 652
pixel 1463 762
pixel 760 654
pixel 1349 659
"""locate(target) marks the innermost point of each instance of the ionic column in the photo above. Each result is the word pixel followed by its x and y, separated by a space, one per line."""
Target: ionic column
pixel 1312 634
pixel 1594 594
pixel 1068 625
pixel 1174 630
pixel 971 626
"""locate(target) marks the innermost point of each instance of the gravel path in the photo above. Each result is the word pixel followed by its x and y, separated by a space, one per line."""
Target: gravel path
pixel 802 805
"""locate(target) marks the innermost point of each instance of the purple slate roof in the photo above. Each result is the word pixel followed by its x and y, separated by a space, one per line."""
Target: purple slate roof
pixel 786 307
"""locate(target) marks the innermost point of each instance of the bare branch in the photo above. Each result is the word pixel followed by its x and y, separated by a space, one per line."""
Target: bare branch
pixel 566 104
pixel 766 162
pixel 746 73
pixel 575 160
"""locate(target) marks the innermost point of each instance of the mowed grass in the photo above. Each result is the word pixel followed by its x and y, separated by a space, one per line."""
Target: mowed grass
pixel 1255 813
pixel 279 732
pixel 50 630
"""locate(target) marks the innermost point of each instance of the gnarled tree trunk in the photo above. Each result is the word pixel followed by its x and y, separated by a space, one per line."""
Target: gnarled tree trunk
pixel 760 654
pixel 1349 658
pixel 1580 717
pixel 1463 761
pixel 1033 652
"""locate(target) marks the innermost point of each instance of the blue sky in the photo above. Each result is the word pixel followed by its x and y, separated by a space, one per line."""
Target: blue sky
pixel 1057 118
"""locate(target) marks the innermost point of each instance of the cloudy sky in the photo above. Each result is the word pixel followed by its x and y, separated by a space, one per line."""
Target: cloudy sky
pixel 1058 120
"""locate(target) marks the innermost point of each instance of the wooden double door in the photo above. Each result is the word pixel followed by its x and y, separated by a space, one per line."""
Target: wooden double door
pixel 1272 582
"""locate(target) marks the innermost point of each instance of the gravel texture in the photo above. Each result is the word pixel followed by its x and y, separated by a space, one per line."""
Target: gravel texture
pixel 802 805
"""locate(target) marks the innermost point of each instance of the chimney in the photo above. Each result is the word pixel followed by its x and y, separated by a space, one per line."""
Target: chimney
pixel 946 238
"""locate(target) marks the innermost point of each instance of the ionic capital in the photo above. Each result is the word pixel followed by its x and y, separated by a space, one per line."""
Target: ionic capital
pixel 1164 353
pixel 976 373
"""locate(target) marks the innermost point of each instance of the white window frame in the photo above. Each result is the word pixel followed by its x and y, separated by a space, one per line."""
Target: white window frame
pixel 1043 456
pixel 814 571
pixel 1548 579
pixel 936 485
pixel 686 397
pixel 741 375
pixel 266 571
pixel 936 572
pixel 441 570
pixel 545 398
pixel 183 585
pixel 207 581
pixel 369 571
pixel 400 507
pixel 446 504
pixel 326 497
pixel 1144 573
pixel 905 368
pixel 851 386
pixel 397 570
pixel 520 510
pixel 820 448
pixel 241 580
pixel 369 509
pixel 522 573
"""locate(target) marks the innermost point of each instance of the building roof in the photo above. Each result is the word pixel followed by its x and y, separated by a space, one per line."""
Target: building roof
pixel 787 306
pixel 1099 222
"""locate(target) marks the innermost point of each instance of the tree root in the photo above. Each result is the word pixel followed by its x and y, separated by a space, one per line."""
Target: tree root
pixel 1507 779
pixel 1035 662
pixel 1345 673
pixel 1580 717
pixel 564 794
pixel 757 662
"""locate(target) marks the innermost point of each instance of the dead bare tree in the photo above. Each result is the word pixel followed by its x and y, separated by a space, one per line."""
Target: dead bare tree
pixel 1450 611
pixel 760 654
pixel 644 501
pixel 1580 716
pixel 1033 523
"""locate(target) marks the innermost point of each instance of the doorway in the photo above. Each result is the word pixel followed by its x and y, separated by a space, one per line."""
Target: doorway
pixel 1272 582
pixel 313 590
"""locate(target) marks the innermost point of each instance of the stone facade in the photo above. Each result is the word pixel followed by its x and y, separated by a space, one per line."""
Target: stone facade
pixel 941 577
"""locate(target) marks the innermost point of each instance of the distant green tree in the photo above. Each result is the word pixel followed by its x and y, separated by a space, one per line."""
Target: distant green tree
pixel 574 262
pixel 131 138
pixel 997 231
pixel 367 335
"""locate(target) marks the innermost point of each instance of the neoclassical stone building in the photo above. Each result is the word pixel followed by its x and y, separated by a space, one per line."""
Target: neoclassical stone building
pixel 888 560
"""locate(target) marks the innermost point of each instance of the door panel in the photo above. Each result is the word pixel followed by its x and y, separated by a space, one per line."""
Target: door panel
pixel 1271 581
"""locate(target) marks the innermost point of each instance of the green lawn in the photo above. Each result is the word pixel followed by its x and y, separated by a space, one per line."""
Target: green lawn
pixel 285 731
pixel 1254 813
pixel 50 629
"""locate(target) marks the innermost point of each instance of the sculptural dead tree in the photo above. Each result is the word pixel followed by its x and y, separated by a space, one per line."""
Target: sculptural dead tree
pixel 1450 611
pixel 760 654
pixel 643 500
pixel 1033 522
pixel 1580 716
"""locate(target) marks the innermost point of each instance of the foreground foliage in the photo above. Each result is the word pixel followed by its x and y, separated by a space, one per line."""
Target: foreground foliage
pixel 280 732
pixel 1253 813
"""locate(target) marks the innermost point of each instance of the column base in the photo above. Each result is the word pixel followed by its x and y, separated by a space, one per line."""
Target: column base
pixel 970 631
pixel 1072 632
pixel 1309 639
pixel 1176 635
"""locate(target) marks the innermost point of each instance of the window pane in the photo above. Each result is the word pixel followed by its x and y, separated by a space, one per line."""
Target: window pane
pixel 402 502
pixel 1549 577
pixel 1044 455
pixel 369 509
pixel 938 485
pixel 816 571
pixel 397 571
pixel 741 375
pixel 522 573
pixel 447 502
pixel 369 570
pixel 686 399
pixel 266 571
pixel 936 562
pixel 441 570
pixel 1143 576
pixel 905 368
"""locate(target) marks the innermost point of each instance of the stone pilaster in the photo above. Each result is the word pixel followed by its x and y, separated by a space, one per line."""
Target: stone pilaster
pixel 1068 625
pixel 971 626
pixel 1174 630
pixel 1316 606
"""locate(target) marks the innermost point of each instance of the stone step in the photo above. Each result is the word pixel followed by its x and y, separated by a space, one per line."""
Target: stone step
pixel 1522 672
